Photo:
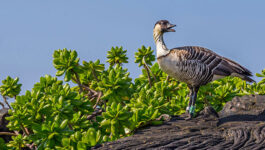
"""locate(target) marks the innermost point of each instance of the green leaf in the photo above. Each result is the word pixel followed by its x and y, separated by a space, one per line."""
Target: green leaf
pixel 81 146
pixel 67 76
pixel 77 135
pixel 10 87
pixel 155 114
pixel 92 136
pixel 105 122
pixel 60 73
pixel 51 135
pixel 64 124
pixel 117 56
pixel 157 122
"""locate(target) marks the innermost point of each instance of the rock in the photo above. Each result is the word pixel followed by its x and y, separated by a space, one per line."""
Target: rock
pixel 3 123
pixel 209 111
pixel 241 126
pixel 248 104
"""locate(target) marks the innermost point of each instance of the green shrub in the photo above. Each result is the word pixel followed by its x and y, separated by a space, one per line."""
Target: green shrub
pixel 105 104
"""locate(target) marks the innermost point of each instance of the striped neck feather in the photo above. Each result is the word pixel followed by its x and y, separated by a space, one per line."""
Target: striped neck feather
pixel 161 48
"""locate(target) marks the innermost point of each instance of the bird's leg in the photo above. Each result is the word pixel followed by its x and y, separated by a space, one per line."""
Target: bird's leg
pixel 190 100
pixel 188 109
pixel 194 97
pixel 192 107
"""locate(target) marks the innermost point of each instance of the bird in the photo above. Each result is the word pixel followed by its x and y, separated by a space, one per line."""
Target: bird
pixel 194 65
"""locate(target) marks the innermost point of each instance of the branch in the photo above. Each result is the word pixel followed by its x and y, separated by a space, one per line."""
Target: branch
pixel 78 81
pixel 94 74
pixel 25 130
pixel 95 113
pixel 90 90
pixel 31 146
pixel 8 133
pixel 99 95
pixel 91 99
pixel 81 86
pixel 151 72
pixel 149 69
pixel 5 100
pixel 148 74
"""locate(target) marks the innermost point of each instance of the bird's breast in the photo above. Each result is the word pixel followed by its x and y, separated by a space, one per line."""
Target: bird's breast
pixel 170 67
pixel 188 71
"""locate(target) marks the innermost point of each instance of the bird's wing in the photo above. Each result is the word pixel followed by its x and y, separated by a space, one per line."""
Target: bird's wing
pixel 217 64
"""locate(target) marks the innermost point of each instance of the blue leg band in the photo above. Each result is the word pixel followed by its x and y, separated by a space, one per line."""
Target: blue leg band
pixel 192 109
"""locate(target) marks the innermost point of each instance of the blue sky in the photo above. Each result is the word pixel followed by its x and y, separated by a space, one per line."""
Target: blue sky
pixel 31 30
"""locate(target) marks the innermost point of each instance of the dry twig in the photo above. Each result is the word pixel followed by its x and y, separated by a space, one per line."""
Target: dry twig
pixel 8 133
pixel 94 114
pixel 99 95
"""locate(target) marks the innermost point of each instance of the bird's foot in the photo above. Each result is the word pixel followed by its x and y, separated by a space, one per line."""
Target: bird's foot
pixel 190 116
pixel 190 110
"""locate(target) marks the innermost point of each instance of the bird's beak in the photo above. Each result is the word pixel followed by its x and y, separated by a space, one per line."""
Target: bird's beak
pixel 169 28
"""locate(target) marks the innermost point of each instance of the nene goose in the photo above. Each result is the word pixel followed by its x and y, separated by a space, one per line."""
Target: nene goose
pixel 193 65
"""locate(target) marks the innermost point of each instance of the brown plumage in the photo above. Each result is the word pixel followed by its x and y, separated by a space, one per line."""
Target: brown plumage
pixel 194 65
pixel 218 65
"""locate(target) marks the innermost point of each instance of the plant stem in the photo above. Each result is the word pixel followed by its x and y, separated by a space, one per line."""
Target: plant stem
pixel 5 100
pixel 148 74
pixel 81 86
pixel 8 133
pixel 149 69
pixel 78 81
pixel 31 146
pixel 25 131
pixel 94 74
pixel 95 113
pixel 92 99
pixel 90 90
pixel 99 95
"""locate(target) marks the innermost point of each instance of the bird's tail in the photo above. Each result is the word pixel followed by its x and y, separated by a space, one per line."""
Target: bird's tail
pixel 247 78
pixel 240 71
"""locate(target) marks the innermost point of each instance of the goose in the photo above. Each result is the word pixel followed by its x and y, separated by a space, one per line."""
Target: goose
pixel 194 65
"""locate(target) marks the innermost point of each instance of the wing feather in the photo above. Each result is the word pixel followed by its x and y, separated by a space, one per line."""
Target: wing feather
pixel 217 64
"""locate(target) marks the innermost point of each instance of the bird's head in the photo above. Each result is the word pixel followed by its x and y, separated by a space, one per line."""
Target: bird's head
pixel 163 26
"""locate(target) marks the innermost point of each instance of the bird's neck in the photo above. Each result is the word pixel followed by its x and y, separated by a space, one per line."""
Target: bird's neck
pixel 161 48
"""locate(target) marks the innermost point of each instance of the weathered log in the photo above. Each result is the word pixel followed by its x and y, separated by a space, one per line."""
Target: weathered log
pixel 241 126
